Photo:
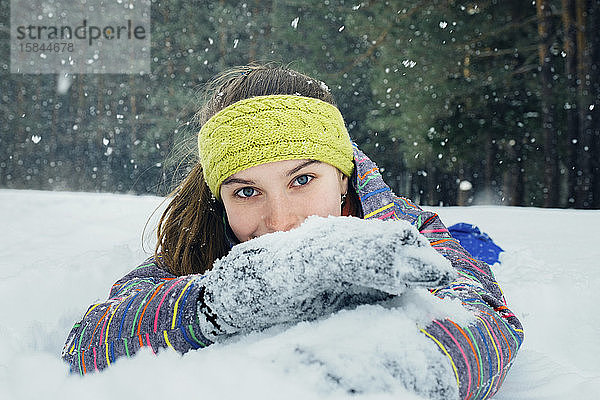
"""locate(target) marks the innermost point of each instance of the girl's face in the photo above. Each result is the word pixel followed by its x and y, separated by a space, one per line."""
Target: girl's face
pixel 280 195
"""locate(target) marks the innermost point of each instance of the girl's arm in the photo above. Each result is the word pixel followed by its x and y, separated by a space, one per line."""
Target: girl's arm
pixel 480 352
pixel 147 308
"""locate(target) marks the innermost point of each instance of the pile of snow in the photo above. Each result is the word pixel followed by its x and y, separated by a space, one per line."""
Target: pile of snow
pixel 62 252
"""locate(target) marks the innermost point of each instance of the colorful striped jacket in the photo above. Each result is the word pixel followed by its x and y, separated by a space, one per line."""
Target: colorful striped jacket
pixel 152 308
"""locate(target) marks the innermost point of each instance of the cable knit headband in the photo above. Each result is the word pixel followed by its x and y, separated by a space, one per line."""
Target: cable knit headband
pixel 263 129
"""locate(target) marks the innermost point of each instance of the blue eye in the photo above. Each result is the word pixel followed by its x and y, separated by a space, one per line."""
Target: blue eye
pixel 303 179
pixel 246 192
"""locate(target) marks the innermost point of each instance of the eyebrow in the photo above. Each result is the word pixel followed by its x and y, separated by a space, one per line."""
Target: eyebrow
pixel 229 181
pixel 299 167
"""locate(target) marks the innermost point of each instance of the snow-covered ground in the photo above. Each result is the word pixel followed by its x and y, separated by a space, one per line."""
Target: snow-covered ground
pixel 62 251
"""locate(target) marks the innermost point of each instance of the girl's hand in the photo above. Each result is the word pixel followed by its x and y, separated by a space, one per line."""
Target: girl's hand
pixel 321 267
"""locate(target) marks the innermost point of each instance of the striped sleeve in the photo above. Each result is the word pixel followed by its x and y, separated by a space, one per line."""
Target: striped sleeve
pixel 147 308
pixel 481 353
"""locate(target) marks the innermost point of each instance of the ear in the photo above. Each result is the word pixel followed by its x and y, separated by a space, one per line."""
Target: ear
pixel 343 183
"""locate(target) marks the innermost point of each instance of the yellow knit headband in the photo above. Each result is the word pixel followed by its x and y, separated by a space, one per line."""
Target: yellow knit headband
pixel 264 129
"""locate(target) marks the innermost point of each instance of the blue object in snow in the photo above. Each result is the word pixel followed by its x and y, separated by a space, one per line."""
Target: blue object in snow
pixel 478 243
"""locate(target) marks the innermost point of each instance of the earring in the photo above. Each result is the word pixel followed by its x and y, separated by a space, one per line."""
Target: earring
pixel 343 198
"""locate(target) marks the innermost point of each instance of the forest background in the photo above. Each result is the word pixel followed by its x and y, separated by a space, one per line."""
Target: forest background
pixel 459 102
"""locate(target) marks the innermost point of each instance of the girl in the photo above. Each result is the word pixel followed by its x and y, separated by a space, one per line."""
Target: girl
pixel 284 219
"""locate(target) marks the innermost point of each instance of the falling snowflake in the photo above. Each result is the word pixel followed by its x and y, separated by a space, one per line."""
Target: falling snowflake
pixel 465 186
pixel 295 22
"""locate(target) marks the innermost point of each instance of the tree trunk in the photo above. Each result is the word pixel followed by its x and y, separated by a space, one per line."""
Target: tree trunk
pixel 520 186
pixel 513 183
pixel 432 185
pixel 222 39
pixel 490 156
pixel 18 155
pixel 551 180
pixel 569 42
pixel 594 19
pixel 583 189
pixel 254 35
pixel 132 110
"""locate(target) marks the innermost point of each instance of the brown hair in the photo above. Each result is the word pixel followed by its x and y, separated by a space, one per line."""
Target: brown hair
pixel 191 230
